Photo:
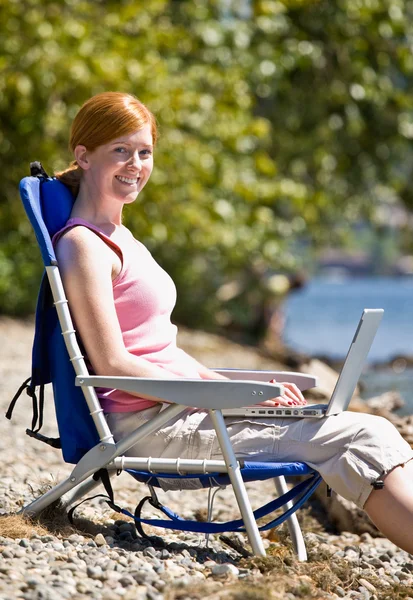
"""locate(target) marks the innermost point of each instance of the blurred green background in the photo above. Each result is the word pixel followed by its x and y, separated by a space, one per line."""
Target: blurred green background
pixel 285 128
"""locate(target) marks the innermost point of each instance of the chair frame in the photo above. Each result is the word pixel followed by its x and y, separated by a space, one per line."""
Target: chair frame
pixel 243 388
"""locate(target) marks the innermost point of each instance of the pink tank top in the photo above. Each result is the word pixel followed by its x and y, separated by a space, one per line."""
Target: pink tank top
pixel 145 297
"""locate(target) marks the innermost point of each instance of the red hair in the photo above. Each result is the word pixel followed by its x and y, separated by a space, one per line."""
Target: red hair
pixel 101 119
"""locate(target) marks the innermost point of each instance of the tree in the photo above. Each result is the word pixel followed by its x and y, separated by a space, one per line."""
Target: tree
pixel 334 79
pixel 279 121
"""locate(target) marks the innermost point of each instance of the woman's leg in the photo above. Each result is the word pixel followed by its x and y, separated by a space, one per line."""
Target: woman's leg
pixel 351 451
pixel 391 509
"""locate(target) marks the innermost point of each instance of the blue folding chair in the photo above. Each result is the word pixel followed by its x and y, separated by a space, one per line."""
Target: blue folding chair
pixel 85 438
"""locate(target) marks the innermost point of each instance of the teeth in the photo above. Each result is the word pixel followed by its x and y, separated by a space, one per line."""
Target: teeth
pixel 125 179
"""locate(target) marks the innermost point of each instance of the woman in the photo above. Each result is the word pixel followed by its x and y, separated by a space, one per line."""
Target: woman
pixel 121 301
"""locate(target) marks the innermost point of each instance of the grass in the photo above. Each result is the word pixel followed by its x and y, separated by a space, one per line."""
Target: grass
pixel 53 520
pixel 266 578
pixel 279 574
pixel 18 527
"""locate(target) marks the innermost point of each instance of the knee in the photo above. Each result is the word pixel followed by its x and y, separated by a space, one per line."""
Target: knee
pixel 374 427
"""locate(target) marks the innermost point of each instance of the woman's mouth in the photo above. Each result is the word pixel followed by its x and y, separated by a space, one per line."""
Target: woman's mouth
pixel 127 180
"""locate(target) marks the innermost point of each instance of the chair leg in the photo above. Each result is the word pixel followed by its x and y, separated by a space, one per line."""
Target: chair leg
pixel 82 490
pixel 36 507
pixel 292 522
pixel 238 484
pixel 98 457
pixel 67 491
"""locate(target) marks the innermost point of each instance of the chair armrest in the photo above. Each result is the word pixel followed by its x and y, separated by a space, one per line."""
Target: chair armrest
pixel 197 393
pixel 301 380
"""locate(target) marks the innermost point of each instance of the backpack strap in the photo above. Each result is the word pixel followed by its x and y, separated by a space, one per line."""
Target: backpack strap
pixel 24 385
pixel 103 475
pixel 38 409
pixel 53 442
pixel 30 391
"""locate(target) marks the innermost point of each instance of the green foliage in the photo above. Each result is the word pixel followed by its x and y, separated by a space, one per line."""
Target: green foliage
pixel 279 121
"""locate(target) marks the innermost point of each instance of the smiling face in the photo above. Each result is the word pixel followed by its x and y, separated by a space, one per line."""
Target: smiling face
pixel 121 168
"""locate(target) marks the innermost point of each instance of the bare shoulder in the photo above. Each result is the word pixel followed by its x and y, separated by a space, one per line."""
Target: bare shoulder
pixel 78 238
pixel 81 245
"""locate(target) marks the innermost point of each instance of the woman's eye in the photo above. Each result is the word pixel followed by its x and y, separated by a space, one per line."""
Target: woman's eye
pixel 145 152
pixel 120 150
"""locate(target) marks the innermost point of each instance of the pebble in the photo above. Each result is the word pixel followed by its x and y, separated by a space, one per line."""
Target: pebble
pixel 369 586
pixel 117 565
pixel 224 570
pixel 52 568
pixel 100 540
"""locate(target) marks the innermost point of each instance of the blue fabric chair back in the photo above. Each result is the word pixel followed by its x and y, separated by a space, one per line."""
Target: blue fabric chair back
pixel 48 204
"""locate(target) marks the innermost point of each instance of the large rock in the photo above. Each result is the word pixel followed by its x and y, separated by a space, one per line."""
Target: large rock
pixel 343 514
pixel 327 379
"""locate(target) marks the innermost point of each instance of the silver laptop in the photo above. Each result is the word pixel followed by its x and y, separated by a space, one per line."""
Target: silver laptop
pixel 346 382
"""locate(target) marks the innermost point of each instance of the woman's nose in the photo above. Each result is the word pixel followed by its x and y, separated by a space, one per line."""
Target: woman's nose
pixel 135 161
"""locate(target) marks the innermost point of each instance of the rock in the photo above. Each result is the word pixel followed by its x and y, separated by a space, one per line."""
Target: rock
pixel 224 570
pixel 327 378
pixel 344 514
pixel 33 582
pixel 369 586
pixel 174 570
pixel 390 401
pixel 137 593
pixel 94 572
pixel 100 540
pixel 340 592
pixel 376 563
pixel 150 551
pixel 209 564
pixel 327 549
pixel 58 566
pixel 126 581
pixel 76 539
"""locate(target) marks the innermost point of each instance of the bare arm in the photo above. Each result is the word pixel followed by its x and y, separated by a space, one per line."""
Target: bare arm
pixel 292 395
pixel 202 370
pixel 87 266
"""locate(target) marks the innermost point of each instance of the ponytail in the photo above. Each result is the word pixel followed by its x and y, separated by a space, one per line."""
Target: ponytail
pixel 71 177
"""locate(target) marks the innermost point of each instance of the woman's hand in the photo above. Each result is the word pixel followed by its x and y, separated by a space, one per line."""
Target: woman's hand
pixel 292 396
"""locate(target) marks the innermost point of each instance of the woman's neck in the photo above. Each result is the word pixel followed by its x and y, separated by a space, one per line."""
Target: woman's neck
pixel 96 211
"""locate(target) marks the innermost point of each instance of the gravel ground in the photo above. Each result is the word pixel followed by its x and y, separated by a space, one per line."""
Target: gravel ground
pixel 102 557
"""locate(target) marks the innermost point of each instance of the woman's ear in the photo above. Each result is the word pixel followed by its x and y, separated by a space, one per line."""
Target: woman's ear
pixel 81 156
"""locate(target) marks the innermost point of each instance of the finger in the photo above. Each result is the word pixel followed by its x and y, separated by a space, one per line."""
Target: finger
pixel 279 401
pixel 292 393
pixel 294 388
pixel 291 396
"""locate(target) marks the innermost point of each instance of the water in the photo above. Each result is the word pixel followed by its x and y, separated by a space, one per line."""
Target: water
pixel 321 319
pixel 378 382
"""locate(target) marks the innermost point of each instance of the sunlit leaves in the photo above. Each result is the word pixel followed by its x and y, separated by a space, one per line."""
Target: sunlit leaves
pixel 279 120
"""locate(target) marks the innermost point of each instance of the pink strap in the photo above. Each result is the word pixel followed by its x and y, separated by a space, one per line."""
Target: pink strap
pixel 81 222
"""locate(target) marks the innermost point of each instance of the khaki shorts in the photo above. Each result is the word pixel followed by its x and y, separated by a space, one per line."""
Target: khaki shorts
pixel 350 450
